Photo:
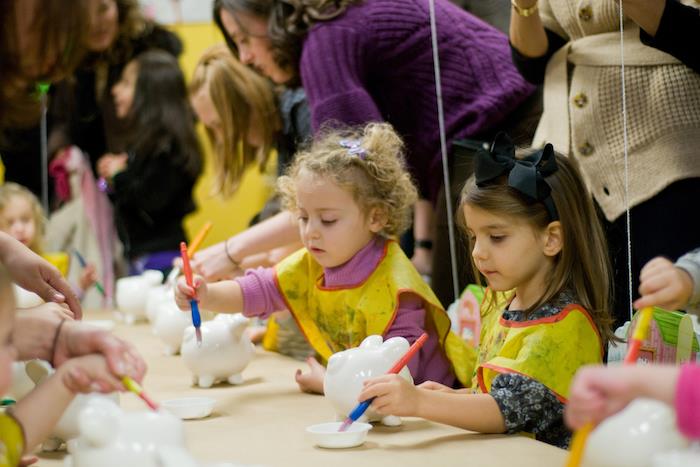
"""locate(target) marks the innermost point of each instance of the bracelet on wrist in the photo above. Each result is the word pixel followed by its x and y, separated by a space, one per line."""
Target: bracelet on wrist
pixel 424 244
pixel 524 12
pixel 55 342
pixel 235 263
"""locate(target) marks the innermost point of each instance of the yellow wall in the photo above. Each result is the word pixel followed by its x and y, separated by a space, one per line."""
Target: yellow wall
pixel 231 215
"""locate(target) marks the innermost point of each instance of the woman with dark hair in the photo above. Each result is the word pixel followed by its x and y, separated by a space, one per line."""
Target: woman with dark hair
pixel 83 111
pixel 372 60
pixel 151 184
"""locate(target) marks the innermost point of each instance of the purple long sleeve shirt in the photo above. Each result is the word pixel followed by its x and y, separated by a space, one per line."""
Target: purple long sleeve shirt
pixel 261 298
pixel 375 63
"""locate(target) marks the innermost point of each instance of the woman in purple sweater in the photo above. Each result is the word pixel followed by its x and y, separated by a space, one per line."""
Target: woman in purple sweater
pixel 371 60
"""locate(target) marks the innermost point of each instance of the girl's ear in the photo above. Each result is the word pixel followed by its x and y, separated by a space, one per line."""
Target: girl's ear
pixel 377 219
pixel 553 239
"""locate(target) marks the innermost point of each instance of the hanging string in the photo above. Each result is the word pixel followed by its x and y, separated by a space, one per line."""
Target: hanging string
pixel 626 152
pixel 443 150
pixel 43 137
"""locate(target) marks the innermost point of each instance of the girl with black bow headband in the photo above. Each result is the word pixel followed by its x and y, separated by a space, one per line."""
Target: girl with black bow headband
pixel 536 240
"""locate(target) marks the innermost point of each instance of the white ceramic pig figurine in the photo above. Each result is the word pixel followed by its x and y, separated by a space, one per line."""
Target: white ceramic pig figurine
pixel 132 293
pixel 110 437
pixel 169 324
pixel 25 299
pixel 347 371
pixel 157 296
pixel 226 350
pixel 35 372
pixel 632 437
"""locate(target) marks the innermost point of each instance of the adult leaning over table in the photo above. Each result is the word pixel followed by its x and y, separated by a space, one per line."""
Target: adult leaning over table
pixel 372 60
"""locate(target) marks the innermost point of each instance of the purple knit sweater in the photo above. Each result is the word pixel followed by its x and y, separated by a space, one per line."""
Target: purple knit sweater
pixel 375 63
pixel 261 298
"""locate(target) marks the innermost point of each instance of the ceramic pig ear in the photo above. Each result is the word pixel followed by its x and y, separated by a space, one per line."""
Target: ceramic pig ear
pixel 237 328
pixel 395 347
pixel 372 342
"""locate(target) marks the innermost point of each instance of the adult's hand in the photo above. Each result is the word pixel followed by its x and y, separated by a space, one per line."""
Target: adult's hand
pixel 213 263
pixel 78 339
pixel 30 271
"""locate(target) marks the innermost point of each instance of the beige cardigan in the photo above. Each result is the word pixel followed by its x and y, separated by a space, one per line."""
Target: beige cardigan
pixel 583 105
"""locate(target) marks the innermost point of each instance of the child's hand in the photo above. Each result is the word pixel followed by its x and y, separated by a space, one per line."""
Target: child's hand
pixel 89 373
pixel 111 164
pixel 58 310
pixel 433 386
pixel 312 381
pixel 393 395
pixel 184 293
pixel 87 277
pixel 664 285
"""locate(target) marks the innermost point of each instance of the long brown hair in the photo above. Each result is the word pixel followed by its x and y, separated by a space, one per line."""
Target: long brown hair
pixel 244 101
pixel 288 22
pixel 582 265
pixel 60 26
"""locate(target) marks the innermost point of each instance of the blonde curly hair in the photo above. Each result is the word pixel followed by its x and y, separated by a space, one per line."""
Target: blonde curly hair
pixel 366 162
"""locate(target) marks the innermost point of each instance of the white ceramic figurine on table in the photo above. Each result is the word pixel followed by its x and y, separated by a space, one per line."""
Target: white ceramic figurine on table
pixel 226 350
pixel 632 437
pixel 347 371
pixel 26 299
pixel 132 294
pixel 110 437
pixel 169 324
pixel 157 296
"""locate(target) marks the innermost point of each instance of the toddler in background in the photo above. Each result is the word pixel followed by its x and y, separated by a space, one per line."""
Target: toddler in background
pixel 352 196
pixel 151 184
pixel 22 217
pixel 535 237
pixel 32 419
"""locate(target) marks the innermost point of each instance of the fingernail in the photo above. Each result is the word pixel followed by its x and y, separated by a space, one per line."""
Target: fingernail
pixel 121 368
pixel 95 387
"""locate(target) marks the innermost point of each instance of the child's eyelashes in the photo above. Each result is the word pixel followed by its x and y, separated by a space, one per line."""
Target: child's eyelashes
pixel 328 221
pixel 497 238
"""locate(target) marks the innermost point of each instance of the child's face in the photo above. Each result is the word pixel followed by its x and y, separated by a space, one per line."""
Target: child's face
pixel 123 91
pixel 507 251
pixel 18 220
pixel 8 352
pixel 206 112
pixel 332 225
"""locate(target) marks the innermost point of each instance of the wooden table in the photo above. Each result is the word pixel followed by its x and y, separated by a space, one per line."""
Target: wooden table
pixel 262 422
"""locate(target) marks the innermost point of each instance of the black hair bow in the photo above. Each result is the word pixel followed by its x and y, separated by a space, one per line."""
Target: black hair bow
pixel 526 175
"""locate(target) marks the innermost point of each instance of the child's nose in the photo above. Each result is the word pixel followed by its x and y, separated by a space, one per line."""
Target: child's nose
pixel 478 252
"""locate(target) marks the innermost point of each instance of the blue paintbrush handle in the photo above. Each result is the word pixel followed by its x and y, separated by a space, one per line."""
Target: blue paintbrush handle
pixel 196 319
pixel 81 260
pixel 360 409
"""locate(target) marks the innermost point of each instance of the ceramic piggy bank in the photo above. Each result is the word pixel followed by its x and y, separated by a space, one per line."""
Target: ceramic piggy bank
pixel 632 437
pixel 31 373
pixel 347 371
pixel 157 296
pixel 26 299
pixel 226 350
pixel 169 324
pixel 110 437
pixel 132 293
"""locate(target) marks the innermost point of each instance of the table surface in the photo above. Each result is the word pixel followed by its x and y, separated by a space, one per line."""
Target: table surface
pixel 263 421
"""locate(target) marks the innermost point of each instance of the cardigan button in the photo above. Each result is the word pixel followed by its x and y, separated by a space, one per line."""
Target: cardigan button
pixel 586 149
pixel 585 13
pixel 580 100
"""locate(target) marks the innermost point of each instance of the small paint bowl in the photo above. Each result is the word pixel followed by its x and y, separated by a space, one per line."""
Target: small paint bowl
pixel 189 407
pixel 326 435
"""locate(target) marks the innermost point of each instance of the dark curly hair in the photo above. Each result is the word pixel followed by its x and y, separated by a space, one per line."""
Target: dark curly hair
pixel 288 22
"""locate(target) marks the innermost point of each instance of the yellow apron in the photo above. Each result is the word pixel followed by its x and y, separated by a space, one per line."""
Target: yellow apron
pixel 549 350
pixel 338 318
pixel 11 441
pixel 60 259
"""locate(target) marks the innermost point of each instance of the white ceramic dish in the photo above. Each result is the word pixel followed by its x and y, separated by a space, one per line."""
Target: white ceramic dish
pixel 190 407
pixel 326 435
